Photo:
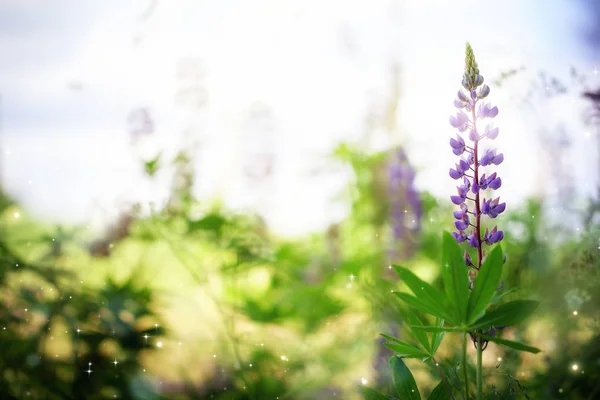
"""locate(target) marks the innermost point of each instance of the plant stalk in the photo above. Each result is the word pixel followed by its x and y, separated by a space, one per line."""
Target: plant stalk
pixel 464 365
pixel 479 369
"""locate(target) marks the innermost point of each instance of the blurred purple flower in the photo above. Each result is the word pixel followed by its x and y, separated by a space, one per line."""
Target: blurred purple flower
pixel 405 202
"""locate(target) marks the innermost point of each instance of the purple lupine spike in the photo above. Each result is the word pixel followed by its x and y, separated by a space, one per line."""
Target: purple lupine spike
pixel 469 166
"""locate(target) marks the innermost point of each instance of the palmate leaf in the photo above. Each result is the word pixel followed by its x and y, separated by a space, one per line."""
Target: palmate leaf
pixel 404 383
pixel 456 279
pixel 507 314
pixel 428 299
pixel 413 320
pixel 499 296
pixel 437 337
pixel 439 329
pixel 509 343
pixel 485 284
pixel 404 349
pixel 441 392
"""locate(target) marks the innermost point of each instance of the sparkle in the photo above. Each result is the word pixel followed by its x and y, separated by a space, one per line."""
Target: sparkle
pixel 352 277
pixel 363 381
pixel 115 362
pixel 17 215
pixel 574 367
pixel 284 358
pixel 574 312
pixel 214 356
pixel 499 359
pixel 159 344
pixel 587 134
pixel 146 337
pixel 596 71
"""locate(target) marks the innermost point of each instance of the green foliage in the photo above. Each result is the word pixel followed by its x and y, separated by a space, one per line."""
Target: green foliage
pixel 466 304
pixel 456 280
pixel 405 386
pixel 486 284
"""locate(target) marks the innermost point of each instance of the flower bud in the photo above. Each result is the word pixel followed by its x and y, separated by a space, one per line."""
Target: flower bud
pixel 483 92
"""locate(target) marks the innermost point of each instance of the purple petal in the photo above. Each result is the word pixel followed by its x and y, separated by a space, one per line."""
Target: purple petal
pixel 500 208
pixel 473 135
pixel 496 237
pixel 461 225
pixel 497 160
pixel 473 242
pixel 454 174
pixel 496 183
pixel 485 207
pixel 457 200
pixel 459 104
pixel 458 214
pixel 490 132
pixel 459 237
pixel 462 96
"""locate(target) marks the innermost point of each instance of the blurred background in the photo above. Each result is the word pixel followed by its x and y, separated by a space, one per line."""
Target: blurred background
pixel 201 200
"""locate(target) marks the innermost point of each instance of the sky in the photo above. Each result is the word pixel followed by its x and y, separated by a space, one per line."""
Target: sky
pixel 71 72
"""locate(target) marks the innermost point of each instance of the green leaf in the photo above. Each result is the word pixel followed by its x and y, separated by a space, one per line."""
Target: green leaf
pixel 413 302
pixel 413 320
pixel 436 303
pixel 507 314
pixel 440 392
pixel 370 394
pixel 485 284
pixel 406 388
pixel 456 279
pixel 509 343
pixel 438 329
pixel 499 296
pixel 404 349
pixel 437 337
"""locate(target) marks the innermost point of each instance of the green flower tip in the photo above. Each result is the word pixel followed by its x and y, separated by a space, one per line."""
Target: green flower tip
pixel 471 78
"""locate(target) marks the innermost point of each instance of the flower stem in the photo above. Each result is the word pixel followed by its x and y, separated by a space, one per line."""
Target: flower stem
pixel 464 365
pixel 475 180
pixel 479 369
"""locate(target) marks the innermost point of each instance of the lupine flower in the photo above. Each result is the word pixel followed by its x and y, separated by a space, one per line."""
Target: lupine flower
pixel 461 121
pixel 469 167
pixel 490 157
